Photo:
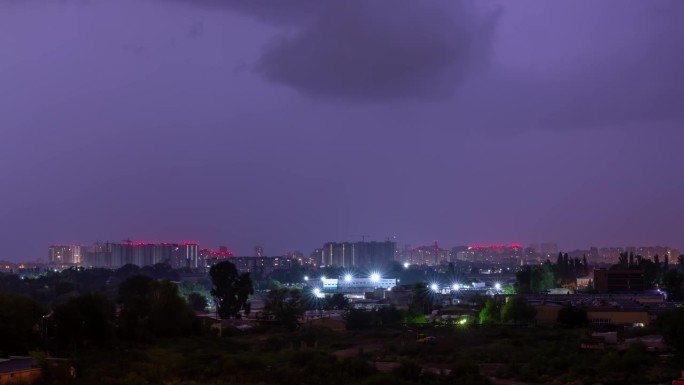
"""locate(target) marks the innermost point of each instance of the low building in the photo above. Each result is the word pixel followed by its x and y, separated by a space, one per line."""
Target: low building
pixel 618 279
pixel 603 316
pixel 546 312
pixel 18 370
pixel 352 285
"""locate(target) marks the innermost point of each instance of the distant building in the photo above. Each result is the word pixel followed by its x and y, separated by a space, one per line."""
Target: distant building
pixel 115 255
pixel 511 254
pixel 64 255
pixel 429 255
pixel 612 254
pixel 357 254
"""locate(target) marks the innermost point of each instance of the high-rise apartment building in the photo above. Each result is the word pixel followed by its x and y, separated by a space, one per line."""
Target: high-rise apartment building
pixel 64 255
pixel 357 254
pixel 115 255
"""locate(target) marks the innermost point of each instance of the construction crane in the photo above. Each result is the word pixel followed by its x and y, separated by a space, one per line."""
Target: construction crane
pixel 363 236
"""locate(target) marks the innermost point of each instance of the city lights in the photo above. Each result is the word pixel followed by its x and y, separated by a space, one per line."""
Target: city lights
pixel 322 278
pixel 375 277
pixel 306 277
pixel 317 292
pixel 455 286
pixel 497 286
pixel 434 287
pixel 348 278
pixel 406 265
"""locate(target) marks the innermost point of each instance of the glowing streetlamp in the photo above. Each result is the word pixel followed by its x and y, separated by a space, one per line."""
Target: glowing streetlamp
pixel 375 277
pixel 456 286
pixel 348 278
pixel 406 265
pixel 434 287
pixel 306 277
pixel 497 286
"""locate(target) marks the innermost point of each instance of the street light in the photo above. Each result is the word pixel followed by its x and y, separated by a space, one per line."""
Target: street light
pixel 306 277
pixel 406 265
pixel 456 286
pixel 497 286
pixel 434 287
pixel 348 278
pixel 317 293
pixel 375 277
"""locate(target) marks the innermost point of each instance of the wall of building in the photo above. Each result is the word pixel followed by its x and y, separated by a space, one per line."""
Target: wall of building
pixel 604 317
pixel 23 377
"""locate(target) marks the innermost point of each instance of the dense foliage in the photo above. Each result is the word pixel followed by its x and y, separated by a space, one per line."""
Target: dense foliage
pixel 231 289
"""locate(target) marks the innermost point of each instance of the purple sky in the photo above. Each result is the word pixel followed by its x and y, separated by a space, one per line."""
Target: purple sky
pixel 294 122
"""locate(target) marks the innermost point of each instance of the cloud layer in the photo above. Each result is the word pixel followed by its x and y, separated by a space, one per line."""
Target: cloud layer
pixel 372 50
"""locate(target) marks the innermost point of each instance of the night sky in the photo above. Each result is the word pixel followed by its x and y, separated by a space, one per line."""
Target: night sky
pixel 290 123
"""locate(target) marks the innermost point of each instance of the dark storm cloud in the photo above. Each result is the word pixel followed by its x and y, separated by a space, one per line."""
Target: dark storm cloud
pixel 371 49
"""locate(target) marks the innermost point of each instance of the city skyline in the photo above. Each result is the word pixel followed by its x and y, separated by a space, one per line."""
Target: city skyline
pixel 471 122
pixel 344 254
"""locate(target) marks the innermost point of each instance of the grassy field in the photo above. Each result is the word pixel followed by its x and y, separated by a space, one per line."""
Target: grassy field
pixel 506 355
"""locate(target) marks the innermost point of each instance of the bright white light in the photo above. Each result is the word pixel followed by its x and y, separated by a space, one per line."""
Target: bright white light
pixel 375 277
pixel 497 286
pixel 317 293
pixel 323 278
pixel 406 265
pixel 348 278
pixel 306 277
pixel 456 286
pixel 434 287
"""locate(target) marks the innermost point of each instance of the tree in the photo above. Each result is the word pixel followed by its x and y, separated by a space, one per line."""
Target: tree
pixel 19 317
pixel 169 314
pixel 517 311
pixel 286 306
pixel 134 287
pixel 197 301
pixel 671 324
pixel 491 313
pixel 421 298
pixel 672 282
pixel 390 316
pixel 622 259
pixel 126 271
pixel 86 318
pixel 231 289
pixel 153 308
pixel 541 278
pixel 135 306
pixel 523 281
